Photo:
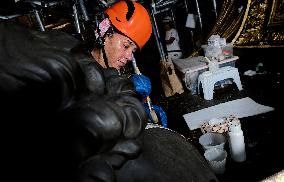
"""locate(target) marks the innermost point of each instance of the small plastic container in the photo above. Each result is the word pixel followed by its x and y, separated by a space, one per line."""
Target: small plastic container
pixel 212 140
pixel 236 142
pixel 216 159
pixel 227 51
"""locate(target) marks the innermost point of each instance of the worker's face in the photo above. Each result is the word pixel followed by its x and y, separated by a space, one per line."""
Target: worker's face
pixel 119 50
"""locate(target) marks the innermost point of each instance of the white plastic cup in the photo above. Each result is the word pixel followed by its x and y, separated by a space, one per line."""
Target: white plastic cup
pixel 212 140
pixel 216 159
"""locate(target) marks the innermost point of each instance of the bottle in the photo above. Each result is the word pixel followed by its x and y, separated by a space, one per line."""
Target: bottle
pixel 236 142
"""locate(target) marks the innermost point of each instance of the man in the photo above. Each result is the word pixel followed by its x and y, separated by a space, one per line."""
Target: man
pixel 171 39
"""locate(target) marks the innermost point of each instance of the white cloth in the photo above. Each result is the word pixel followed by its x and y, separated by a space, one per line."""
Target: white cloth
pixel 174 46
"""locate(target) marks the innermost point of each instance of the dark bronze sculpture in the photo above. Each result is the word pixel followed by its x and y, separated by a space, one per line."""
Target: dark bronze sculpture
pixel 64 118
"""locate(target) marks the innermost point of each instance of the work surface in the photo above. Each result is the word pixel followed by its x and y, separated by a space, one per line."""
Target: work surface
pixel 189 65
pixel 263 132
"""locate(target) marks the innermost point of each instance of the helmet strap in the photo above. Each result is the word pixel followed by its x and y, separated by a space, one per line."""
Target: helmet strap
pixel 105 57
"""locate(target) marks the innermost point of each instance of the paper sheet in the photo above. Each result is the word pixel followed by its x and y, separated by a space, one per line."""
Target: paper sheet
pixel 240 108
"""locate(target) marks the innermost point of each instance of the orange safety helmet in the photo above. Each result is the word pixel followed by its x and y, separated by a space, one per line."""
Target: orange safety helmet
pixel 131 19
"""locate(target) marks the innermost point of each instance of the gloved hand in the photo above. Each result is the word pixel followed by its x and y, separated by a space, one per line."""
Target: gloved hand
pixel 142 85
pixel 160 113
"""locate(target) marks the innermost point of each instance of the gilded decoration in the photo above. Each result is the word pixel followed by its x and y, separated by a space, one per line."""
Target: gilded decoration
pixel 263 25
pixel 277 14
pixel 276 22
pixel 228 21
pixel 253 23
pixel 252 33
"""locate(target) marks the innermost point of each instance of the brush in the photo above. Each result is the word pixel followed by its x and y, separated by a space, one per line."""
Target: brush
pixel 148 100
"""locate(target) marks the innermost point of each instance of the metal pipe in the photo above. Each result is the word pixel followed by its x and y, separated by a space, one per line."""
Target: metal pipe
pixel 39 20
pixel 76 19
pixel 174 19
pixel 157 35
pixel 192 39
pixel 215 7
pixel 165 4
pixel 161 11
pixel 199 14
pixel 186 7
pixel 159 44
pixel 83 9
